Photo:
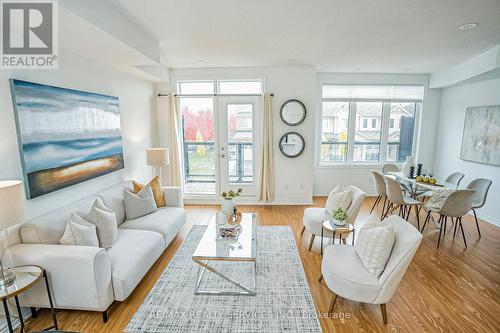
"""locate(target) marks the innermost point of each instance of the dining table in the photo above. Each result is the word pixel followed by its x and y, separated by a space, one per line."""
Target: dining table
pixel 417 189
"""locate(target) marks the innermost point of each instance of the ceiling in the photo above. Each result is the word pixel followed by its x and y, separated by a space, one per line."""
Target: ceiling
pixel 383 36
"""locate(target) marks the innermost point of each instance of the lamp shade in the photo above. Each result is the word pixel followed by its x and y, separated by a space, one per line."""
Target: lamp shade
pixel 11 203
pixel 157 156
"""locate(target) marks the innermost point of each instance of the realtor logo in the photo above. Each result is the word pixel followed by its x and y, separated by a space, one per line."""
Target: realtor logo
pixel 29 34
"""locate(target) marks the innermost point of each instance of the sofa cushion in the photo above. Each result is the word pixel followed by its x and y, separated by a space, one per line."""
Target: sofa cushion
pixel 79 232
pixel 49 228
pixel 140 204
pixel 167 221
pixel 113 198
pixel 133 254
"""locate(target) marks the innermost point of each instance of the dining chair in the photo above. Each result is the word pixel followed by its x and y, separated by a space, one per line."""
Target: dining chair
pixel 398 200
pixel 456 205
pixel 389 168
pixel 346 276
pixel 481 186
pixel 315 216
pixel 455 178
pixel 380 189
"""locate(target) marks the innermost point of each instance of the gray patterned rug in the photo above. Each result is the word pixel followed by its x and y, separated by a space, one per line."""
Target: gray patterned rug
pixel 283 302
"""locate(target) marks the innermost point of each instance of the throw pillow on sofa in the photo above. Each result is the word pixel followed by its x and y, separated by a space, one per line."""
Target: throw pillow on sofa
pixel 106 224
pixel 140 204
pixel 374 246
pixel 156 188
pixel 79 232
pixel 338 198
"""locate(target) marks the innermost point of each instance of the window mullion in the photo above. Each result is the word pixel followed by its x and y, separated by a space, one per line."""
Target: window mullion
pixel 352 131
pixel 384 135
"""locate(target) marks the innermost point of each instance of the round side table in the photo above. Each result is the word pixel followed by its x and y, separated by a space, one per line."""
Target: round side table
pixel 26 277
pixel 337 229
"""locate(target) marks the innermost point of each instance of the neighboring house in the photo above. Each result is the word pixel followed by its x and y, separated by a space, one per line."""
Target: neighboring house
pixel 368 130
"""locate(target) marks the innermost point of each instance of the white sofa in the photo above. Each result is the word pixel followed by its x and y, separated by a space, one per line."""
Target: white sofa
pixel 91 278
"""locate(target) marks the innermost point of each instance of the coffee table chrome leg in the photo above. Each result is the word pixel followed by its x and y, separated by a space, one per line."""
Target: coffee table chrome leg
pixel 52 310
pixel 20 314
pixel 247 290
pixel 7 315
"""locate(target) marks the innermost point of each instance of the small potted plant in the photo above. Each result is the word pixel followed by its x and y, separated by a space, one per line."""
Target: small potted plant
pixel 340 216
pixel 227 205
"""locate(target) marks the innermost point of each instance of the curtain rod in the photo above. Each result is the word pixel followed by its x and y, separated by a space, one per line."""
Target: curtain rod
pixel 202 95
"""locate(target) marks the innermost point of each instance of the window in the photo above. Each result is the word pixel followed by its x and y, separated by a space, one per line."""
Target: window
pixel 368 124
pixel 195 87
pixel 240 87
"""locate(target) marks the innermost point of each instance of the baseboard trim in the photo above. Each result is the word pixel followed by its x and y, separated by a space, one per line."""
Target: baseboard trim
pixel 216 201
pixel 487 218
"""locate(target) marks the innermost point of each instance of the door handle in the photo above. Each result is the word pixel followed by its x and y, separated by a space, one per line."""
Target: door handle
pixel 222 155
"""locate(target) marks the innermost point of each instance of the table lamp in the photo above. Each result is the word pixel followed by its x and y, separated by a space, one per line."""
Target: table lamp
pixel 11 213
pixel 157 157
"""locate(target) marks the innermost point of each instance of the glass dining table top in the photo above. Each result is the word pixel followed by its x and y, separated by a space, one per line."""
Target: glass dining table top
pixel 417 188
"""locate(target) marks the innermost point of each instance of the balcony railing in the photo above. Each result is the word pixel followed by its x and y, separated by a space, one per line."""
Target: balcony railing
pixel 199 162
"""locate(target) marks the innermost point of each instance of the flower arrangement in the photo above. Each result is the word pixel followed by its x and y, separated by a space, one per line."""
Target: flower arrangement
pixel 340 214
pixel 231 194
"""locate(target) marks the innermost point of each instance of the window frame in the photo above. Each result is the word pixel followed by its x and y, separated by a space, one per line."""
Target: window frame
pixel 384 135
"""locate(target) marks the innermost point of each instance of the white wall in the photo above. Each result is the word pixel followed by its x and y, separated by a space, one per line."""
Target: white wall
pixel 138 116
pixel 454 102
pixel 325 178
pixel 293 176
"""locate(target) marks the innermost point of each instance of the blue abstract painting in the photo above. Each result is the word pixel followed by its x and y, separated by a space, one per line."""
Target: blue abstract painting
pixel 65 136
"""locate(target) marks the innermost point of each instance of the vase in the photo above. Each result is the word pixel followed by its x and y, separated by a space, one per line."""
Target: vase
pixel 405 170
pixel 227 206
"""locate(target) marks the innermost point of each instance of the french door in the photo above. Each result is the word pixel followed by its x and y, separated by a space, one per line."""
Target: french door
pixel 220 144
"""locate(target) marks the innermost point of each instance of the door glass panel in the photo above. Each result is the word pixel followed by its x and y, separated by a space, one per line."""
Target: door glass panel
pixel 240 143
pixel 198 145
pixel 368 131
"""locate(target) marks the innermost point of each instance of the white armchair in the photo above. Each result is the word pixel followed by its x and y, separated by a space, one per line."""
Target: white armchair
pixel 346 276
pixel 314 216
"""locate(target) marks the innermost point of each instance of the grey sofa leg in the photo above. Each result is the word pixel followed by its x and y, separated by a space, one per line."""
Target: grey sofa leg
pixel 105 316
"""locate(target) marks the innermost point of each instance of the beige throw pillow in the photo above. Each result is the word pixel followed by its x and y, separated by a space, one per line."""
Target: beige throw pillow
pixel 140 204
pixel 79 232
pixel 338 198
pixel 329 202
pixel 374 246
pixel 106 224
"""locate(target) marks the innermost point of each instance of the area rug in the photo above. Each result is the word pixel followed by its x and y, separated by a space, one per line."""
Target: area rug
pixel 283 302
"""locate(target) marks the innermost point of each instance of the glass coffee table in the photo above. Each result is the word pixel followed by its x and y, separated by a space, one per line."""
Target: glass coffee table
pixel 242 249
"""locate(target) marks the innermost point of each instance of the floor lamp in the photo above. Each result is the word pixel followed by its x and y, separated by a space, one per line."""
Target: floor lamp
pixel 11 213
pixel 157 158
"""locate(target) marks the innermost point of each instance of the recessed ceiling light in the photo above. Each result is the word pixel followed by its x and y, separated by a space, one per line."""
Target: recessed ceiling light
pixel 467 26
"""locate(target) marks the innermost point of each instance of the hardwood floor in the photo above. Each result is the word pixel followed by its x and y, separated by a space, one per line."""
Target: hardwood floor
pixel 447 289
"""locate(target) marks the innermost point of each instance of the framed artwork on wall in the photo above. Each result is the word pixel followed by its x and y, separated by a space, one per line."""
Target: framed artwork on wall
pixel 65 136
pixel 481 136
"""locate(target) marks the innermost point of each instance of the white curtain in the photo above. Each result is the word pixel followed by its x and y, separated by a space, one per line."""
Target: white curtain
pixel 266 176
pixel 173 137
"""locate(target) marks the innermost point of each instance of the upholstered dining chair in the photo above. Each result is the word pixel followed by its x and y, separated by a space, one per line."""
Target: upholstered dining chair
pixel 380 189
pixel 455 178
pixel 398 200
pixel 346 276
pixel 481 186
pixel 314 216
pixel 455 205
pixel 389 168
